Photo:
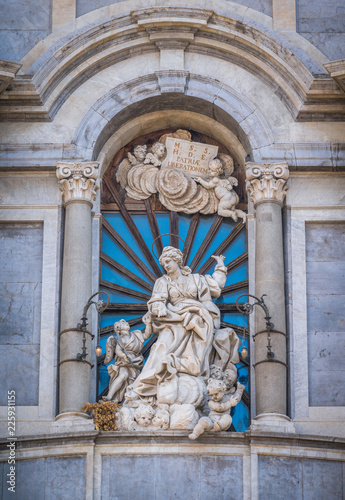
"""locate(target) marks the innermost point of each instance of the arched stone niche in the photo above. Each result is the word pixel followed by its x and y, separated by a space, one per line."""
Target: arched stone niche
pixel 136 225
pixel 142 106
pixel 137 128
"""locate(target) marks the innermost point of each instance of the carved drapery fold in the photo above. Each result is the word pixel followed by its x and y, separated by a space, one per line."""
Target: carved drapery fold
pixel 78 180
pixel 267 181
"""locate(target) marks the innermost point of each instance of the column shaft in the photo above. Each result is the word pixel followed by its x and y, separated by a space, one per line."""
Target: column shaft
pixel 270 376
pixel 77 181
pixel 76 289
pixel 266 184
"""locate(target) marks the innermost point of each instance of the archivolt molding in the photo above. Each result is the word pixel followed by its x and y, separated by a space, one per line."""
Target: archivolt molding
pixel 64 68
pixel 170 119
pixel 194 93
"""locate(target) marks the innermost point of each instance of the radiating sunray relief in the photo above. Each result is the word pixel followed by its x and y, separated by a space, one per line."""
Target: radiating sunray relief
pixel 133 236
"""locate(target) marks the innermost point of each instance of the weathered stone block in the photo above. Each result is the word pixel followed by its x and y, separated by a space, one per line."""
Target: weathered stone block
pixel 20 369
pixel 20 307
pixel 21 253
pixel 51 477
pixel 325 255
pixel 326 388
pixel 306 479
pixel 23 24
pixel 279 478
pixel 325 242
pixel 128 477
pixel 171 476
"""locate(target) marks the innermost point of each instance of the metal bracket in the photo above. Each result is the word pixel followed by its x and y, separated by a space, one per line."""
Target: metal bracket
pixel 247 308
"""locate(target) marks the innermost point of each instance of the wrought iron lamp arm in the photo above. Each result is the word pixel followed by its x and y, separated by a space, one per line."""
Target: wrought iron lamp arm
pixel 247 308
pixel 101 307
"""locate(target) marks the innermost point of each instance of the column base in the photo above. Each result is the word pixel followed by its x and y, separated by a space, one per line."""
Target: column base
pixel 72 421
pixel 272 422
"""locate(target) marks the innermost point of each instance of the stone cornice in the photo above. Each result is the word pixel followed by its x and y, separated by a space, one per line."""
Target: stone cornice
pixel 337 71
pixel 38 98
pixel 267 181
pixel 8 71
pixel 78 180
pixel 220 439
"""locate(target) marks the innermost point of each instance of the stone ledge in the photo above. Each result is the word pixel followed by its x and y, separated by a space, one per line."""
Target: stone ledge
pixel 121 438
pixel 8 71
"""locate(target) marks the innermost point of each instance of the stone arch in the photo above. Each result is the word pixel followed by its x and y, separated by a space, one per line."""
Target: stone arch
pixel 186 93
pixel 284 68
pixel 155 120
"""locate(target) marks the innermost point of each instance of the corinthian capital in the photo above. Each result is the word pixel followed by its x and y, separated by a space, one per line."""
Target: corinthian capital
pixel 266 181
pixel 77 180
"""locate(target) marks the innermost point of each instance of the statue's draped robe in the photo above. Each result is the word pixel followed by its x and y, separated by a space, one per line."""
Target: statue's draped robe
pixel 185 333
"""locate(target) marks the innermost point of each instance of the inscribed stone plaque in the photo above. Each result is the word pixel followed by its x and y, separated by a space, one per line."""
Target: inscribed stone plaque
pixel 192 158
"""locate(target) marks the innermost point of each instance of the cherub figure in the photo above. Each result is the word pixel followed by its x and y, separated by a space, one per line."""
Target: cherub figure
pixel 216 372
pixel 223 189
pixel 161 419
pixel 138 156
pixel 144 415
pixel 128 359
pixel 230 378
pixel 219 418
pixel 158 152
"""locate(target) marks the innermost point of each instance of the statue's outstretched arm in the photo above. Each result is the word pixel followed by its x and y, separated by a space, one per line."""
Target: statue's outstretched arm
pixel 220 271
pixel 236 398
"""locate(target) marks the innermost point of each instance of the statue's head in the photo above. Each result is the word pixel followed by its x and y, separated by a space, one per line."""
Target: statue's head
pixel 121 327
pixel 144 414
pixel 158 149
pixel 172 253
pixel 216 167
pixel 161 419
pixel 216 389
pixel 230 377
pixel 140 152
pixel 216 372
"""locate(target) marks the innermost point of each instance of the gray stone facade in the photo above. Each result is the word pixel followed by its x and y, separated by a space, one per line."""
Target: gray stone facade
pixel 305 479
pixel 22 26
pixel 21 295
pixel 325 244
pixel 50 477
pixel 323 24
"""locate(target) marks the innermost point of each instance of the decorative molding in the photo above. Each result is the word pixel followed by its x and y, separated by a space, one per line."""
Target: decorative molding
pixel 267 181
pixel 56 75
pixel 172 81
pixel 78 180
pixel 337 71
pixel 156 16
pixel 8 71
pixel 233 106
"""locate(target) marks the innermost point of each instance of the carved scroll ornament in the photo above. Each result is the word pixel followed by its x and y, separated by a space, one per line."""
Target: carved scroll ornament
pixel 78 180
pixel 267 181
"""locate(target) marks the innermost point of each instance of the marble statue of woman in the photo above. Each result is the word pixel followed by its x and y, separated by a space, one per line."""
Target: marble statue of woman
pixel 183 316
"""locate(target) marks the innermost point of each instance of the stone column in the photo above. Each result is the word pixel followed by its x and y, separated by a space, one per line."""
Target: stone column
pixel 78 185
pixel 266 185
